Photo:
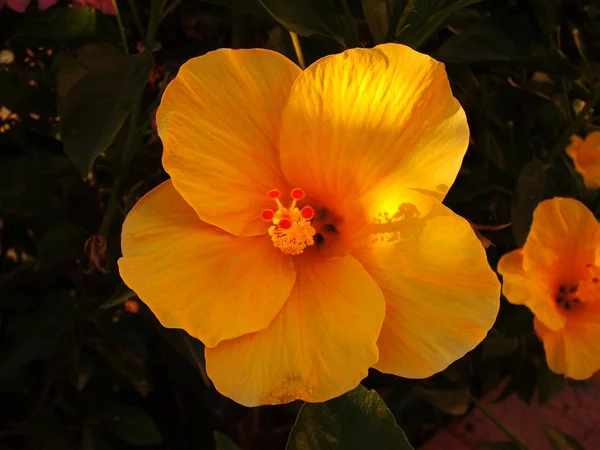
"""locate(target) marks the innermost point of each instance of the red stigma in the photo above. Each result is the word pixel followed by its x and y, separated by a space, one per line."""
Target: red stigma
pixel 285 224
pixel 274 193
pixel 308 212
pixel 267 215
pixel 297 194
pixel 589 265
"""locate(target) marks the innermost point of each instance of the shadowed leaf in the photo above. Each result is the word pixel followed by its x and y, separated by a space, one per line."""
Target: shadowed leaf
pixel 135 426
pixel 224 442
pixel 358 420
pixel 559 440
pixel 96 90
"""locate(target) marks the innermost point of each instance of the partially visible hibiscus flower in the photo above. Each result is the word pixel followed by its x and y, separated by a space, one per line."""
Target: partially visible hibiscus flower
pixel 302 236
pixel 21 5
pixel 585 154
pixel 105 6
pixel 557 276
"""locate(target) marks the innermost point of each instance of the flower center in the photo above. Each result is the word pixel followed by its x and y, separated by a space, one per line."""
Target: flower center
pixel 291 231
pixel 570 296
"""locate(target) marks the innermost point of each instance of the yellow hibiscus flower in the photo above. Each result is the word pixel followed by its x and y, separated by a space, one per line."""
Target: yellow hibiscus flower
pixel 585 154
pixel 557 276
pixel 302 237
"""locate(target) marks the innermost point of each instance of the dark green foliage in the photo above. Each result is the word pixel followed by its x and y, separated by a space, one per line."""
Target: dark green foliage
pixel 84 365
pixel 560 440
pixel 97 87
pixel 357 420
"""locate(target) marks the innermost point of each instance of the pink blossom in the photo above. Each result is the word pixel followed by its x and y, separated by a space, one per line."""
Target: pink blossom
pixel 106 6
pixel 21 5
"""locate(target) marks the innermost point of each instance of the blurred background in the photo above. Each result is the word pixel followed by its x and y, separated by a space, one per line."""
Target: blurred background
pixel 85 365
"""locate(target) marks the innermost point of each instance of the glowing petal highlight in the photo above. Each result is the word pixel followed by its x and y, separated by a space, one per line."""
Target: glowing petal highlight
pixel 197 277
pixel 219 124
pixel 319 346
pixel 364 117
pixel 441 295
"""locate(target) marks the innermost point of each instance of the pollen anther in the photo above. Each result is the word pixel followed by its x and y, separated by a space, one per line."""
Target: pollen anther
pixel 297 194
pixel 308 212
pixel 285 224
pixel 267 215
pixel 291 231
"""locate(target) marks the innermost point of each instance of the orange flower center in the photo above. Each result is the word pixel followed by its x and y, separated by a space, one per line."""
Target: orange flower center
pixel 570 295
pixel 291 231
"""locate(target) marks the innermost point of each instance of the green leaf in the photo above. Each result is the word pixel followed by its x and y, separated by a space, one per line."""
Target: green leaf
pixel 549 383
pixel 133 425
pixel 121 295
pixel 223 442
pixel 429 17
pixel 544 12
pixel 96 90
pixel 376 15
pixel 450 401
pixel 49 323
pixel 509 39
pixel 358 420
pixel 191 348
pixel 531 185
pixel 94 439
pixel 58 242
pixel 560 440
pixel 66 28
pixel 329 18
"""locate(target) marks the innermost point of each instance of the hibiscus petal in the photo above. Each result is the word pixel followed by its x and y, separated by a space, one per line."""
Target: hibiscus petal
pixel 575 350
pixel 530 290
pixel 562 240
pixel 441 295
pixel 219 123
pixel 197 277
pixel 45 4
pixel 18 5
pixel 319 346
pixel 554 346
pixel 364 117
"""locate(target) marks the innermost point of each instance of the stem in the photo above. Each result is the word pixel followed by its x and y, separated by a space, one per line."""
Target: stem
pixel 136 17
pixel 199 365
pixel 351 38
pixel 579 47
pixel 121 26
pixel 126 158
pixel 298 50
pixel 563 82
pixel 133 131
pixel 153 21
pixel 170 8
pixel 499 424
pixel 563 141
